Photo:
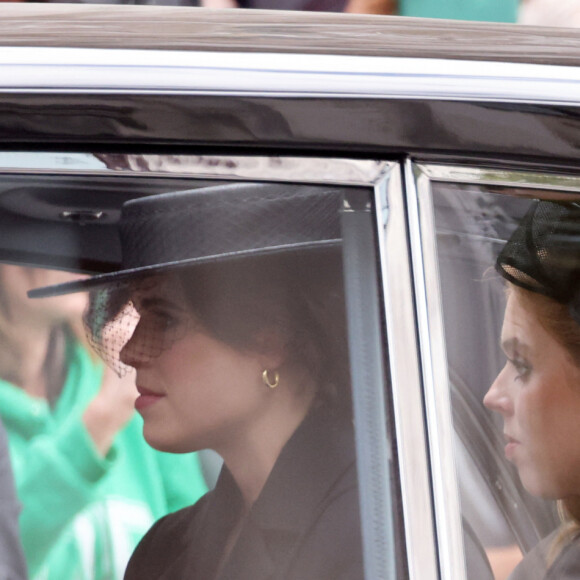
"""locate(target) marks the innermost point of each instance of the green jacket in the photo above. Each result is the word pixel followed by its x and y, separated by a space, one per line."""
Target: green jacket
pixel 83 514
pixel 482 10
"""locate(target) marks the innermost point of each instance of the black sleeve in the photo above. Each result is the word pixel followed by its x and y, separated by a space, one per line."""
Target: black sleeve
pixel 567 563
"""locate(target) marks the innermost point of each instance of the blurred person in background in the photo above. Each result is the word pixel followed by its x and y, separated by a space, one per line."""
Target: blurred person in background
pixel 352 6
pixel 550 13
pixel 12 563
pixel 478 10
pixel 137 2
pixel 88 483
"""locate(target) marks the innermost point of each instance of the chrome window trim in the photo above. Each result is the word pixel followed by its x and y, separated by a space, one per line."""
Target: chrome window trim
pixel 384 178
pixel 405 378
pixel 422 237
pixel 431 331
pixel 58 70
pixel 227 167
pixel 374 455
pixel 523 180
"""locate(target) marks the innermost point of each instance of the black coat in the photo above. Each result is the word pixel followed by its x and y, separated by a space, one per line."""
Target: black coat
pixel 534 566
pixel 304 525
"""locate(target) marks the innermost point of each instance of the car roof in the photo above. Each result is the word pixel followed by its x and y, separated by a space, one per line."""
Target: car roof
pixel 185 28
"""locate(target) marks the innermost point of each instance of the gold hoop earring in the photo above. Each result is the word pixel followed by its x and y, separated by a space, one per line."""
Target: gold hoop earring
pixel 272 384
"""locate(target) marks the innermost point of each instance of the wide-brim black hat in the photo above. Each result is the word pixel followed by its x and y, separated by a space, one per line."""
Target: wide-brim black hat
pixel 224 222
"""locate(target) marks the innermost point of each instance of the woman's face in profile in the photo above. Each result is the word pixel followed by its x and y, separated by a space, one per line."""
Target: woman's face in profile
pixel 196 392
pixel 538 395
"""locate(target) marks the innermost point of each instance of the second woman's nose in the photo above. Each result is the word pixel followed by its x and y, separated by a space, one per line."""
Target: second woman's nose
pixel 497 397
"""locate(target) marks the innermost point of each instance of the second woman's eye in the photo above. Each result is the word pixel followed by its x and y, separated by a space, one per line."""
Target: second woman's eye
pixel 523 368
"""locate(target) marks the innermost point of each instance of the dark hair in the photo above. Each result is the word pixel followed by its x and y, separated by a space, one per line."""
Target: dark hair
pixel 298 296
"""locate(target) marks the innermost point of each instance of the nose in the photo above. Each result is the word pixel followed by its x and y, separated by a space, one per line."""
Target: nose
pixel 498 398
pixel 133 354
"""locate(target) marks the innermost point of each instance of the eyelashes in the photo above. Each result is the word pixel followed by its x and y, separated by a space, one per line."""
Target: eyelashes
pixel 523 368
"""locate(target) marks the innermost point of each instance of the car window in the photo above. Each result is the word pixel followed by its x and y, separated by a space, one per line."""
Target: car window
pixel 65 217
pixel 474 214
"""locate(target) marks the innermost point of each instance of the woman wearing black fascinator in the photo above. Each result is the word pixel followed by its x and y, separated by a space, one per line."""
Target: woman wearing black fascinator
pixel 538 391
pixel 230 308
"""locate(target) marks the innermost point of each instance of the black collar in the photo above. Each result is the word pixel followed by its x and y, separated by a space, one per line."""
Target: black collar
pixel 297 490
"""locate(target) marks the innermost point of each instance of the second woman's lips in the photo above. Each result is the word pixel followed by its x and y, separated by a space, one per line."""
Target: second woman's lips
pixel 511 446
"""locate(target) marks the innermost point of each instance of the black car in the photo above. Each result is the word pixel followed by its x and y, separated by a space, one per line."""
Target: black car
pixel 439 135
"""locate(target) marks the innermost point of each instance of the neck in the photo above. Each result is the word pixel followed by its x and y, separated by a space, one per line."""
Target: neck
pixel 251 457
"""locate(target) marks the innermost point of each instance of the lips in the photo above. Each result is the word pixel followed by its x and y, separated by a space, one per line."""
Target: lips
pixel 146 398
pixel 511 446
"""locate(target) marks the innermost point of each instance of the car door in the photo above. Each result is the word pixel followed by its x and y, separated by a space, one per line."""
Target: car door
pixel 61 211
pixel 460 217
pixel 426 156
pixel 436 495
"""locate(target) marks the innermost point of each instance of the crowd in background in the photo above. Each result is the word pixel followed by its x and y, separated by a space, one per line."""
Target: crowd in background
pixel 531 12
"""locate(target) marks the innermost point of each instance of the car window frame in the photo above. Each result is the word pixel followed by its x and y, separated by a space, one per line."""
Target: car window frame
pixel 420 175
pixel 376 177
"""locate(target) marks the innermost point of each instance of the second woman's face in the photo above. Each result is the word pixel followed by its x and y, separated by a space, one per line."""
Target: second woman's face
pixel 195 391
pixel 538 395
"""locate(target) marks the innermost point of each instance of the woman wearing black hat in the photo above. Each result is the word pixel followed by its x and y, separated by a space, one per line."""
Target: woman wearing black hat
pixel 232 299
pixel 538 391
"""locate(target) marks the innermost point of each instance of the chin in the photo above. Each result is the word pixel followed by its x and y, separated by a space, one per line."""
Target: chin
pixel 539 488
pixel 167 444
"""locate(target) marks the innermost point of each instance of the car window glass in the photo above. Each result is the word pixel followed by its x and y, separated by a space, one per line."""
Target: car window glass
pixel 501 520
pixel 61 214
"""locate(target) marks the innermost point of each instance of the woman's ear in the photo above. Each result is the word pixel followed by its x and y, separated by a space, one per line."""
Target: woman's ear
pixel 270 347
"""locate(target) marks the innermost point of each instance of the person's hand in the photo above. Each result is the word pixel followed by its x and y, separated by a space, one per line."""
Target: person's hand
pixel 111 409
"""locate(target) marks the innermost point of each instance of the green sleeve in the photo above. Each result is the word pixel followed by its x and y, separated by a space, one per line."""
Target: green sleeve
pixel 55 477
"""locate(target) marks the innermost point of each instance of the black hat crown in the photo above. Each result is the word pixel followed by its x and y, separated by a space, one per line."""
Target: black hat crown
pixel 543 254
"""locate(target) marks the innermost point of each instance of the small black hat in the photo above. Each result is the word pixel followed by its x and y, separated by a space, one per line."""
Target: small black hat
pixel 543 254
pixel 212 224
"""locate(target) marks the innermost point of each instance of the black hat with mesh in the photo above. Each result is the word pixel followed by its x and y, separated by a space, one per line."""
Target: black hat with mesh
pixel 543 254
pixel 164 233
pixel 218 223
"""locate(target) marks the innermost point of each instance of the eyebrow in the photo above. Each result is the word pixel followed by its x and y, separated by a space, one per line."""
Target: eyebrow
pixel 513 345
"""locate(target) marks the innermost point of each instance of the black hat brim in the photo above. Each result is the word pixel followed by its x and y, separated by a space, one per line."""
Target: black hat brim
pixel 119 276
